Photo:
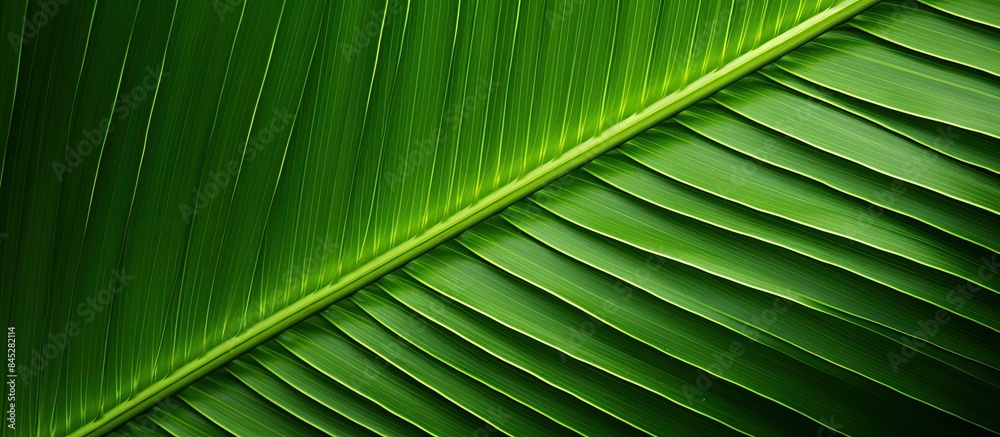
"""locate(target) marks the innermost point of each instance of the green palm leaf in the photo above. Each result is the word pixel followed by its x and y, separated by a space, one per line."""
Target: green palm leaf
pixel 807 248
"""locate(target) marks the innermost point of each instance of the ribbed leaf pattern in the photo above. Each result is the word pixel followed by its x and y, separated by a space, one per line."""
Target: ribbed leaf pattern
pixel 812 249
pixel 246 163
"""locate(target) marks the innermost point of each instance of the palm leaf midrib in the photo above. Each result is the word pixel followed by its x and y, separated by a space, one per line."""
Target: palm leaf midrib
pixel 487 206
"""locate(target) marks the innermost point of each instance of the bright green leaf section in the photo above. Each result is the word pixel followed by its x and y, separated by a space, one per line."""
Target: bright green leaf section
pixel 697 161
pixel 983 11
pixel 843 135
pixel 970 147
pixel 861 66
pixel 933 33
pixel 896 272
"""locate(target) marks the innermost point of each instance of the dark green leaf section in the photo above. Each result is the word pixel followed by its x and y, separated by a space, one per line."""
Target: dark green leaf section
pixel 794 256
pixel 290 399
pixel 179 419
pixel 241 411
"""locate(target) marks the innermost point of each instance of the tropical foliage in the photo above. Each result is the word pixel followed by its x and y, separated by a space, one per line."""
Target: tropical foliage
pixel 360 219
